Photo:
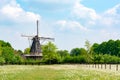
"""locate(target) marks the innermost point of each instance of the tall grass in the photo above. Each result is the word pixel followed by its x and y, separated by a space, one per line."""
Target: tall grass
pixel 55 72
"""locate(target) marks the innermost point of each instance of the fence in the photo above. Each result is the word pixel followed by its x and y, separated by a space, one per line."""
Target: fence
pixel 103 66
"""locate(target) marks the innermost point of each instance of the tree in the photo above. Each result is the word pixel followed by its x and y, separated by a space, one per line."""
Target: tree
pixel 102 48
pixel 50 53
pixel 19 52
pixel 83 51
pixel 117 47
pixel 75 52
pixel 63 53
pixel 98 58
pixel 2 60
pixel 110 47
pixel 0 50
pixel 95 47
pixel 88 46
pixel 8 54
pixel 78 51
pixel 5 44
pixel 27 51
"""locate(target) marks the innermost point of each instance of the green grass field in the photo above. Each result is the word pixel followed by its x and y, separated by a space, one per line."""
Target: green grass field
pixel 55 72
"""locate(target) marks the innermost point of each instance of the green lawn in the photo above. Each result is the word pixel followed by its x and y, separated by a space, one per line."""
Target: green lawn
pixel 55 72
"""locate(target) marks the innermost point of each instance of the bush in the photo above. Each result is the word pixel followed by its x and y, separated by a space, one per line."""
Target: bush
pixel 99 58
pixel 54 59
pixel 17 60
pixel 111 59
pixel 68 59
pixel 75 59
pixel 8 54
pixel 2 60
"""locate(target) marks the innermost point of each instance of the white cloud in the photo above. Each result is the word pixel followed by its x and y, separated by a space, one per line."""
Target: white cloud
pixel 87 16
pixel 110 34
pixel 71 25
pixel 111 17
pixel 80 11
pixel 90 17
pixel 107 21
pixel 115 11
pixel 12 11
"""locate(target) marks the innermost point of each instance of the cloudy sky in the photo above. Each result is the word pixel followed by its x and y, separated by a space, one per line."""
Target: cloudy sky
pixel 70 22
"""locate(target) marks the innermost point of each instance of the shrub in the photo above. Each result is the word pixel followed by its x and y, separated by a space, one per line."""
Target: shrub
pixel 2 60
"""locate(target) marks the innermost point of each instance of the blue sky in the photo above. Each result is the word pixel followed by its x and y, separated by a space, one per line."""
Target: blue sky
pixel 70 22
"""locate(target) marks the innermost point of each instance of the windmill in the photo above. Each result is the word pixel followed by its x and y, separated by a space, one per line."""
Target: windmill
pixel 35 48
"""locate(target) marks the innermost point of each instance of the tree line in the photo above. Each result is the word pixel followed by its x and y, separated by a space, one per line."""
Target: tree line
pixel 7 53
pixel 106 52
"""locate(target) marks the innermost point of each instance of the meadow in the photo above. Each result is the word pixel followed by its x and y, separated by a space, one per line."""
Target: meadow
pixel 56 72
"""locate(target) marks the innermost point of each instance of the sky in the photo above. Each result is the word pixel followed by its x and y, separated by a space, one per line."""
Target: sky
pixel 70 22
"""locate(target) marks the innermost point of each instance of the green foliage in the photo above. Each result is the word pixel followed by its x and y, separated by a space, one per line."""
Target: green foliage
pixel 106 58
pixel 75 52
pixel 79 59
pixel 106 52
pixel 2 60
pixel 88 46
pixel 17 59
pixel 75 59
pixel 49 48
pixel 31 61
pixel 98 58
pixel 27 51
pixel 95 47
pixel 4 44
pixel 63 53
pixel 111 59
pixel 111 47
pixel 8 54
pixel 79 55
pixel 0 50
pixel 19 52
pixel 68 59
pixel 78 51
pixel 50 55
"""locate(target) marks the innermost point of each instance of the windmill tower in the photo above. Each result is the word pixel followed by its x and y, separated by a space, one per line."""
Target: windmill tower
pixel 35 49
